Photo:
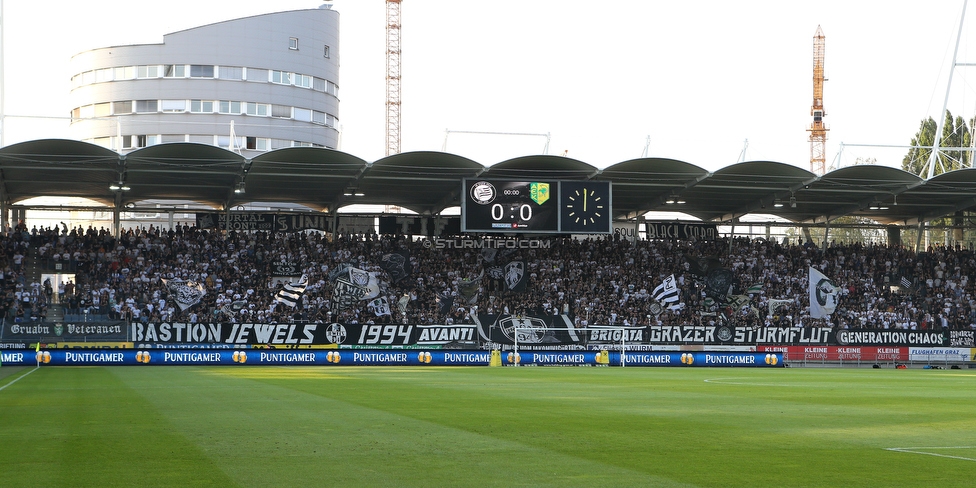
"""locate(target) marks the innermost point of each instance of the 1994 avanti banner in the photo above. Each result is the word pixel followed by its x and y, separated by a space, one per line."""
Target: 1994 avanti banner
pixel 539 333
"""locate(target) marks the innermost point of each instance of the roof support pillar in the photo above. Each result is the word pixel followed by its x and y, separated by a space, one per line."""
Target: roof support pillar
pixel 826 236
pixel 918 235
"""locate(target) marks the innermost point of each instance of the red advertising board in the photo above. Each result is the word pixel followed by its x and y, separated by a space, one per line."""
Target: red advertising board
pixel 839 353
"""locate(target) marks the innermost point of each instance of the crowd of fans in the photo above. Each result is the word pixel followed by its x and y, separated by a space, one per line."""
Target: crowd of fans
pixel 596 281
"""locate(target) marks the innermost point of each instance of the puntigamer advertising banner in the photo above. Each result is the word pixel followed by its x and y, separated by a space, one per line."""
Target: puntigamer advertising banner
pixel 368 357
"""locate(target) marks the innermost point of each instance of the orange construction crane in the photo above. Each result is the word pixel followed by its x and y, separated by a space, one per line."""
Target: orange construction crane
pixel 818 132
pixel 392 77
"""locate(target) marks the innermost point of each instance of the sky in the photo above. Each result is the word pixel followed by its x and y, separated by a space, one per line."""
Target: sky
pixel 698 81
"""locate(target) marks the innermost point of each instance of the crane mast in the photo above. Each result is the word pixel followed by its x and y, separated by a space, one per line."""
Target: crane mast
pixel 818 132
pixel 392 77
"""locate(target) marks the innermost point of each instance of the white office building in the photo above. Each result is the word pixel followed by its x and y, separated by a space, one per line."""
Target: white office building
pixel 250 85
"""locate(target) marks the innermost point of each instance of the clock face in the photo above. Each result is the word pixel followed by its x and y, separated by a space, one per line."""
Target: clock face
pixel 585 207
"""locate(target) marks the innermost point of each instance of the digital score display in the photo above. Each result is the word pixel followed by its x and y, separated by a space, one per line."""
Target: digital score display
pixel 570 207
pixel 510 206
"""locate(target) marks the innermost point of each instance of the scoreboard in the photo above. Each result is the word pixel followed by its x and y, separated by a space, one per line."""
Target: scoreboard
pixel 537 206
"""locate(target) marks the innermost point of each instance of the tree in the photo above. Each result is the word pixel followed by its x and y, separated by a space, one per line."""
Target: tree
pixel 955 133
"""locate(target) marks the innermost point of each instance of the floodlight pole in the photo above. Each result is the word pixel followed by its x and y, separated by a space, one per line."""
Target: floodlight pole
pixel 934 156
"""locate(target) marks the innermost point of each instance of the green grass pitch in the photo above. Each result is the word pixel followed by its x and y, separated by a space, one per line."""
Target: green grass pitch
pixel 454 426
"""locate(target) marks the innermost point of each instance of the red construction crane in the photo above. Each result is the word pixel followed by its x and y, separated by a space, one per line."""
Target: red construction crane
pixel 392 77
pixel 818 132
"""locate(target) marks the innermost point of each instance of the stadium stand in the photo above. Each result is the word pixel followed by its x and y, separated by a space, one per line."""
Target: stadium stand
pixel 596 281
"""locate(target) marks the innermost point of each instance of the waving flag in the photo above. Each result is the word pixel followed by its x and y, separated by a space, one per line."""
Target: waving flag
pixel 823 295
pixel 291 293
pixel 667 294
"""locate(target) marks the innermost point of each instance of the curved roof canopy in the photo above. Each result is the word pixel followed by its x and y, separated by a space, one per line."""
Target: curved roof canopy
pixel 428 182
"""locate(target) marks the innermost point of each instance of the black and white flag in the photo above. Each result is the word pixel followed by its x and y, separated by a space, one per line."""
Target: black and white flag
pixel 291 293
pixel 397 265
pixel 380 306
pixel 345 294
pixel 516 276
pixel 185 293
pixel 667 294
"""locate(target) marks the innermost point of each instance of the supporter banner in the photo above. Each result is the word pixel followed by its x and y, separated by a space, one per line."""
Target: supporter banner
pixel 884 337
pixel 693 334
pixel 270 222
pixel 286 268
pixel 962 338
pixel 356 225
pixel 681 231
pixel 866 354
pixel 403 225
pixel 64 332
pixel 91 345
pixel 532 331
pixel 297 335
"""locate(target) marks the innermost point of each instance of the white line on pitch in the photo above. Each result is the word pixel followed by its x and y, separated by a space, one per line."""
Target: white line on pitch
pixel 18 379
pixel 914 451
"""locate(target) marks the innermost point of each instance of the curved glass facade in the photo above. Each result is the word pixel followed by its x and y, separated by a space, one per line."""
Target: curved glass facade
pixel 275 86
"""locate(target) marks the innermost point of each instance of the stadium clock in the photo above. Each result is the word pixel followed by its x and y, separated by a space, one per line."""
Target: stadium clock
pixel 585 207
pixel 510 206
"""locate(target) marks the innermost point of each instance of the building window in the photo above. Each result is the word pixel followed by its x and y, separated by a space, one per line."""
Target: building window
pixel 147 106
pixel 123 107
pixel 201 71
pixel 257 143
pixel 257 74
pixel 303 81
pixel 318 117
pixel 326 52
pixel 281 111
pixel 293 43
pixel 173 105
pixel 147 71
pixel 303 114
pixel 228 107
pixel 174 71
pixel 141 141
pixel 125 73
pixel 281 77
pixel 225 142
pixel 259 109
pixel 201 106
pixel 103 109
pixel 103 75
pixel 231 73
pixel 169 138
